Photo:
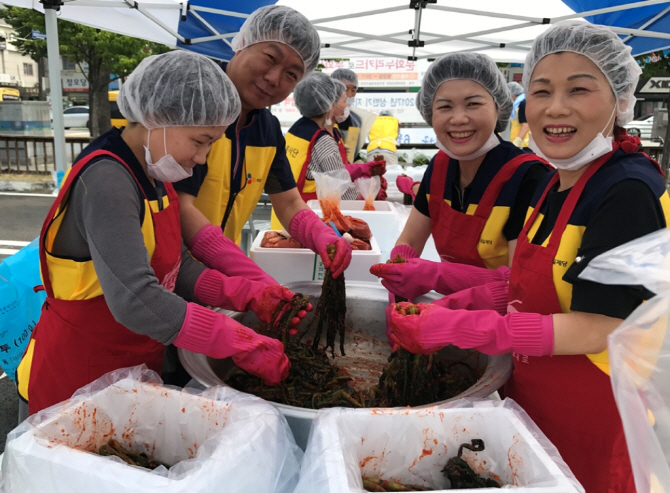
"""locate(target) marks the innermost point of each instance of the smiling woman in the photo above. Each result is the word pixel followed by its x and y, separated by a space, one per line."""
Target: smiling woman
pixel 474 195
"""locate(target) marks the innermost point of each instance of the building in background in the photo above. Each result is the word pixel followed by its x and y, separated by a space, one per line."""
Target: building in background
pixel 17 70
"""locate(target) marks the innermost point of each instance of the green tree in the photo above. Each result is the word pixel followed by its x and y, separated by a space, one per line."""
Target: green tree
pixel 661 66
pixel 105 53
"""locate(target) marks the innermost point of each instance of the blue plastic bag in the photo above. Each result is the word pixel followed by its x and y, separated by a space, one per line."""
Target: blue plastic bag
pixel 20 305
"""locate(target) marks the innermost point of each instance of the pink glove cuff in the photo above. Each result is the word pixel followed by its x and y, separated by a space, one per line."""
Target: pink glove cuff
pixel 532 334
pixel 491 296
pixel 303 225
pixel 207 288
pixel 218 252
pixel 405 184
pixel 196 329
pixel 405 251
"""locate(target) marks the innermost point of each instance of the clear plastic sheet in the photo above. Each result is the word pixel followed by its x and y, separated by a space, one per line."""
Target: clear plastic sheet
pixel 413 445
pixel 217 438
pixel 639 354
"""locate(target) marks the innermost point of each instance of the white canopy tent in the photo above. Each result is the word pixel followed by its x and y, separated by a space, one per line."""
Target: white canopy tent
pixel 386 28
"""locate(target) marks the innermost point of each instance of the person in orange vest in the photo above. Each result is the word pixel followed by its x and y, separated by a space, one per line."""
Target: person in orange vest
pixel 580 82
pixel 116 271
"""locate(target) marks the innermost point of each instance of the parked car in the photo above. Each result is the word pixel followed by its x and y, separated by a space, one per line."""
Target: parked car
pixel 642 127
pixel 75 117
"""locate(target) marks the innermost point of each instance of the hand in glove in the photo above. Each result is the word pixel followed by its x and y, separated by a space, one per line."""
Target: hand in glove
pixel 217 252
pixel 241 294
pixel 518 141
pixel 418 276
pixel 366 170
pixel 308 229
pixel 486 331
pixel 218 336
pixel 490 296
pixel 406 185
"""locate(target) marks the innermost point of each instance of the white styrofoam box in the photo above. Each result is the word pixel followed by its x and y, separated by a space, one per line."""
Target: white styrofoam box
pixel 301 264
pixel 220 437
pixel 383 221
pixel 412 446
pixel 393 171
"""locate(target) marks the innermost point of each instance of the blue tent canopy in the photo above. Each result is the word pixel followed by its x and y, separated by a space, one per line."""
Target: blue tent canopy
pixel 654 18
pixel 200 23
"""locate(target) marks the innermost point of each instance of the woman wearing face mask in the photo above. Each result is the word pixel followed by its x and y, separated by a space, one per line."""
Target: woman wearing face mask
pixel 579 82
pixel 312 144
pixel 114 266
pixel 474 195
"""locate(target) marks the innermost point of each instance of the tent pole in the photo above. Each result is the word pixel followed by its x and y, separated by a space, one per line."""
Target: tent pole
pixel 53 56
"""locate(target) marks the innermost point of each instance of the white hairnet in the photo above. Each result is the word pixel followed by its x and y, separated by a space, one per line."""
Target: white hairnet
pixel 600 45
pixel 515 88
pixel 179 89
pixel 317 93
pixel 283 25
pixel 345 74
pixel 470 66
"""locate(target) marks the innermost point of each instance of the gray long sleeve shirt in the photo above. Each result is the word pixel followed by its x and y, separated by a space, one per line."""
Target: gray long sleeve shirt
pixel 102 222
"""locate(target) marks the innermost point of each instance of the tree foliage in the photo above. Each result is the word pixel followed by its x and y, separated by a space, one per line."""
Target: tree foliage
pixel 109 56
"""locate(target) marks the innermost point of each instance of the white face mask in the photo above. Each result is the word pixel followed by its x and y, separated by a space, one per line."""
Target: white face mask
pixel 351 101
pixel 345 115
pixel 167 169
pixel 491 142
pixel 599 146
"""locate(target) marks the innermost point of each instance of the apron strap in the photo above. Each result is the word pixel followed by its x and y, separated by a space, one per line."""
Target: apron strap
pixel 303 171
pixel 438 180
pixel 503 175
pixel 569 204
pixel 62 197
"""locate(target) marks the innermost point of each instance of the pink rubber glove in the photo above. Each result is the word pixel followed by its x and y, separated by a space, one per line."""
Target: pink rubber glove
pixel 361 170
pixel 218 336
pixel 486 331
pixel 418 276
pixel 308 229
pixel 491 296
pixel 406 185
pixel 217 252
pixel 240 294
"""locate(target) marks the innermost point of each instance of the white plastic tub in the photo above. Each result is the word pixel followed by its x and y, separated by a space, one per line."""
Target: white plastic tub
pixel 412 446
pixel 383 221
pixel 301 264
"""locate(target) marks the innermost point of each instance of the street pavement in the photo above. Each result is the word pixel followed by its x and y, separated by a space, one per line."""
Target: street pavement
pixel 21 217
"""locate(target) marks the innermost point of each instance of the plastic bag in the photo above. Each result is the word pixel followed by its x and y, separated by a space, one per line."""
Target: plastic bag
pixel 329 189
pixel 368 188
pixel 218 439
pixel 20 305
pixel 412 446
pixel 639 355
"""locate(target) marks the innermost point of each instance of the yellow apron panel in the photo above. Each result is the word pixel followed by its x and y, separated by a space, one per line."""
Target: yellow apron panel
pixel 214 194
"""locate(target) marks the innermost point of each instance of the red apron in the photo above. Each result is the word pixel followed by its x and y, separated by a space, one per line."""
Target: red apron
pixel 78 341
pixel 303 172
pixel 457 234
pixel 568 397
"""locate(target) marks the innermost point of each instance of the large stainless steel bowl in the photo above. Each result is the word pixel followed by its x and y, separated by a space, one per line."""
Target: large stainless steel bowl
pixel 366 348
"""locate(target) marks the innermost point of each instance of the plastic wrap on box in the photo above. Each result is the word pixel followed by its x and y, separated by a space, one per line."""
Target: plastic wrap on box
pixel 639 355
pixel 217 438
pixel 412 446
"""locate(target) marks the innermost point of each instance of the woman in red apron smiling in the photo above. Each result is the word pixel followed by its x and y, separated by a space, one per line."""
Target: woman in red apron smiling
pixel 112 259
pixel 476 190
pixel 579 81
